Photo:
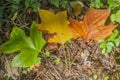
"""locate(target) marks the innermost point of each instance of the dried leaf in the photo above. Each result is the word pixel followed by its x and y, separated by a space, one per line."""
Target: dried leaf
pixel 92 26
pixel 55 23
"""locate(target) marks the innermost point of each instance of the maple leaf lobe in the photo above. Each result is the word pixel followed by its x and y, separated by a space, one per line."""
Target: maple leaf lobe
pixel 55 23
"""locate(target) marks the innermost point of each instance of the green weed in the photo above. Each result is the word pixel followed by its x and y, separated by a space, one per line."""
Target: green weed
pixel 58 3
pixel 110 43
pixel 57 61
pixel 96 3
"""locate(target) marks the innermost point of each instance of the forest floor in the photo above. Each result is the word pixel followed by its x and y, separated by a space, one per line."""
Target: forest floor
pixel 78 60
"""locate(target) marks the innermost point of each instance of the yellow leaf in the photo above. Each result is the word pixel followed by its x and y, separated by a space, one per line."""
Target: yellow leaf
pixel 55 23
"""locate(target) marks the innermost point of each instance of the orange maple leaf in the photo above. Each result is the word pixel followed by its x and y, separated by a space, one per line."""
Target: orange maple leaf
pixel 92 26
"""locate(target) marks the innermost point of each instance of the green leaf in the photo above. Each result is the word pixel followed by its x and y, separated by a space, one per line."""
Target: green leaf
pixel 26 58
pixel 57 61
pixel 35 6
pixel 106 78
pixel 118 16
pixel 96 3
pixel 47 53
pixel 14 8
pixel 95 76
pixel 108 50
pixel 29 47
pixel 103 45
pixel 18 40
pixel 100 41
pixel 55 2
pixel 27 3
pixel 113 17
pixel 113 4
pixel 69 41
pixel 16 1
pixel 110 46
pixel 64 4
pixel 113 36
pixel 117 41
pixel 36 37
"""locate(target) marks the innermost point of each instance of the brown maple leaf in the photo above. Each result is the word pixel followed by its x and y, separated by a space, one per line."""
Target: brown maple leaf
pixel 93 25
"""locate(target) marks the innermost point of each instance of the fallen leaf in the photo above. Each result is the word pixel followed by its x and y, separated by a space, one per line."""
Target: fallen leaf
pixel 93 25
pixel 55 23
pixel 28 47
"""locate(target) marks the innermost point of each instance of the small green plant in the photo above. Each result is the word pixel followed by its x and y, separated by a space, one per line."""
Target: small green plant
pixel 34 4
pixel 110 43
pixel 57 3
pixel 115 16
pixel 57 61
pixel 15 5
pixel 96 3
pixel 106 78
pixel 114 6
pixel 95 76
pixel 25 71
pixel 28 47
pixel 47 53
pixel 69 41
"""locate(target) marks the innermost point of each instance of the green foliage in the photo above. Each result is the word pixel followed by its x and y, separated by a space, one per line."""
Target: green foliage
pixel 64 4
pixel 25 71
pixel 112 42
pixel 96 3
pixel 47 53
pixel 36 37
pixel 112 4
pixel 15 5
pixel 57 3
pixel 57 61
pixel 115 16
pixel 16 1
pixel 95 76
pixel 106 78
pixel 29 47
pixel 14 8
pixel 33 4
pixel 69 41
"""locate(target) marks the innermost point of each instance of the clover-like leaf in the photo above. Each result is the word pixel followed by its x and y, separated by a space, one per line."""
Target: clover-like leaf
pixel 115 16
